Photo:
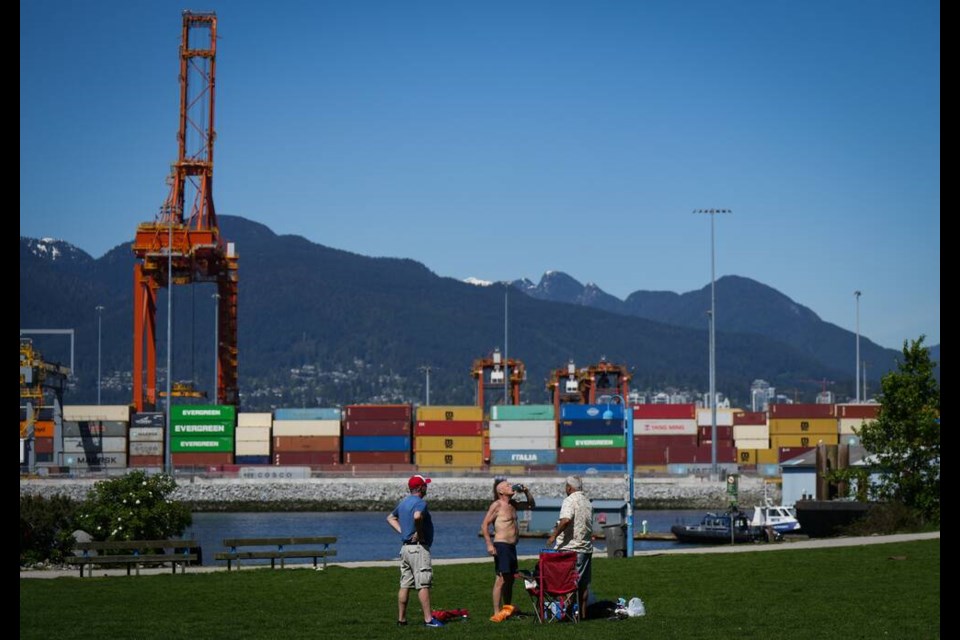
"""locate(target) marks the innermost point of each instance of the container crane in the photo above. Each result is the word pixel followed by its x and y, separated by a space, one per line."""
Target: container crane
pixel 185 231
pixel 490 373
pixel 37 378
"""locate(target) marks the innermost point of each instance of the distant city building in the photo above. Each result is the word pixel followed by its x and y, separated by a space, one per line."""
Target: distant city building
pixel 762 395
pixel 825 397
pixel 723 402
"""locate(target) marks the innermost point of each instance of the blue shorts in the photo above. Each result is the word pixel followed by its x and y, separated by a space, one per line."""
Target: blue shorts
pixel 505 562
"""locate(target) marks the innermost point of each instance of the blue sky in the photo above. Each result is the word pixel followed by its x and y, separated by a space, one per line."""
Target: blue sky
pixel 503 139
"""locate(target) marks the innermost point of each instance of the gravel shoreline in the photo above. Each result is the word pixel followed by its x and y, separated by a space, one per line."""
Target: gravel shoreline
pixel 446 493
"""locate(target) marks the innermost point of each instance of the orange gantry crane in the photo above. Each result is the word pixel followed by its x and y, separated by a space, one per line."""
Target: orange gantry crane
pixel 490 374
pixel 589 384
pixel 185 238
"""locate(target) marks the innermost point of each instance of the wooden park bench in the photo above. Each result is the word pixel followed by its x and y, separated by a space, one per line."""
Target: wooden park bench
pixel 274 549
pixel 135 553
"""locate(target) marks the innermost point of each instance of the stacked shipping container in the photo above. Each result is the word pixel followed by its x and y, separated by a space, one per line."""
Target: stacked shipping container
pixel 664 434
pixel 377 434
pixel 95 436
pixel 146 439
pixel 306 436
pixel 522 436
pixel 202 435
pixel 588 441
pixel 448 437
pixel 253 438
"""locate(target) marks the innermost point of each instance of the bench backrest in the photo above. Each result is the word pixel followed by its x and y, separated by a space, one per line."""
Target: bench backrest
pixel 111 545
pixel 263 542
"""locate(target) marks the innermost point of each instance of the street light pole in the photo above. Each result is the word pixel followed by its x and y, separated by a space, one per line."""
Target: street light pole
pixel 99 308
pixel 426 369
pixel 713 340
pixel 856 383
pixel 216 348
pixel 167 454
pixel 627 419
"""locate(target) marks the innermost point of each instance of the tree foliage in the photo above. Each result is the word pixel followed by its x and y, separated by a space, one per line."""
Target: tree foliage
pixel 133 507
pixel 45 528
pixel 906 435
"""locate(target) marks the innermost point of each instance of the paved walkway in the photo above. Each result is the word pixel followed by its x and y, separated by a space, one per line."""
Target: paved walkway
pixel 819 543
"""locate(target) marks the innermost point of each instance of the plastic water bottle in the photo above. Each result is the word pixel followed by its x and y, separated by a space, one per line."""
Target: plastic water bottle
pixel 635 608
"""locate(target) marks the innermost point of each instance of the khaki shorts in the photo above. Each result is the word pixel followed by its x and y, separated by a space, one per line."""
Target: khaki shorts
pixel 416 567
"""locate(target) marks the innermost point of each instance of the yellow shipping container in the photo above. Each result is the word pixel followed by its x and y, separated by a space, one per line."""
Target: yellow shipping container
pixel 651 469
pixel 803 426
pixel 432 460
pixel 811 440
pixel 448 443
pixel 746 456
pixel 439 412
pixel 767 456
pixel 847 425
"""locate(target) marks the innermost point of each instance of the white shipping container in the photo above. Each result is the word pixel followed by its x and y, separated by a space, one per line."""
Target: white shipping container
pixel 252 448
pixel 724 417
pixel 254 419
pixel 759 443
pixel 146 449
pixel 146 434
pixel 847 425
pixel 306 428
pixel 751 432
pixel 524 428
pixel 98 445
pixel 86 412
pixel 499 443
pixel 253 434
pixel 664 427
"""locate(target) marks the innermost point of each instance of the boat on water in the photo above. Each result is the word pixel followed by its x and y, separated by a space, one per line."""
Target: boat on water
pixel 778 517
pixel 715 528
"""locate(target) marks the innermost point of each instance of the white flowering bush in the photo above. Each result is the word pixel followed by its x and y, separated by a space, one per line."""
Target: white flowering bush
pixel 133 507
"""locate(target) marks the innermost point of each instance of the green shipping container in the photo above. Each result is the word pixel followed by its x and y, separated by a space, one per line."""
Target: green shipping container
pixel 208 429
pixel 592 442
pixel 522 412
pixel 201 445
pixel 194 413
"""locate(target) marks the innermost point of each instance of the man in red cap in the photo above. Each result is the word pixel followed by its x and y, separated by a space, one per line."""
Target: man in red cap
pixel 411 519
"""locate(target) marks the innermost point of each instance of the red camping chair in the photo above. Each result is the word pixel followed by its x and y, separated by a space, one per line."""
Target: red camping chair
pixel 553 586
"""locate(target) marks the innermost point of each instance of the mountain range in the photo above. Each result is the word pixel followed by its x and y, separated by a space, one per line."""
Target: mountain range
pixel 321 326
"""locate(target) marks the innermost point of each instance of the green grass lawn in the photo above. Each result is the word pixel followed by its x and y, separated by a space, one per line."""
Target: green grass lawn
pixel 876 591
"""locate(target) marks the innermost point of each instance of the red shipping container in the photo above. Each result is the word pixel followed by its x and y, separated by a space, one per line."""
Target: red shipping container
pixel 376 457
pixel 355 412
pixel 750 417
pixel 649 457
pixel 586 456
pixel 282 444
pixel 145 461
pixel 662 442
pixel 306 457
pixel 43 445
pixel 803 411
pixel 448 428
pixel 721 444
pixel 201 459
pixel 788 453
pixel 665 411
pixel 723 433
pixel 863 411
pixel 376 428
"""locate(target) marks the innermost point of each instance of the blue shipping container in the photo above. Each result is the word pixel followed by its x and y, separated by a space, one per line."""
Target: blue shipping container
pixel 376 443
pixel 252 459
pixel 318 413
pixel 523 456
pixel 590 411
pixel 591 428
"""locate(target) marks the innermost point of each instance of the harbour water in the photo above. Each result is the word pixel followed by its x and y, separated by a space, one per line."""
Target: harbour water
pixel 367 536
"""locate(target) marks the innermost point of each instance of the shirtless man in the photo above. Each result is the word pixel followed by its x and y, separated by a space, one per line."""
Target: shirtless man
pixel 502 514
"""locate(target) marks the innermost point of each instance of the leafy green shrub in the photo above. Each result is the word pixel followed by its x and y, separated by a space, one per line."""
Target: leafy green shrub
pixel 133 507
pixel 46 531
